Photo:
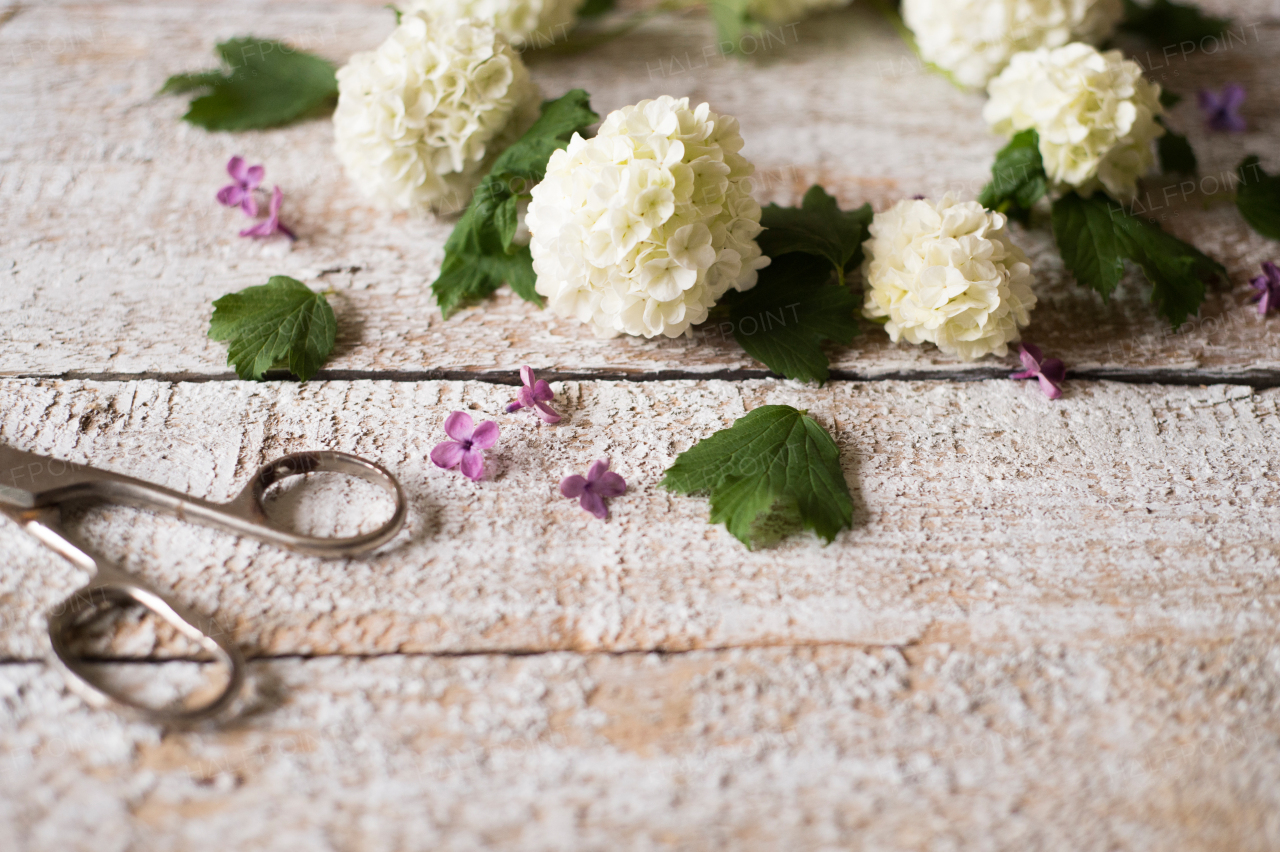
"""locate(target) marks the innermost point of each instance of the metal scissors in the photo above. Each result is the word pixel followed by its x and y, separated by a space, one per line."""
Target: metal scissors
pixel 34 488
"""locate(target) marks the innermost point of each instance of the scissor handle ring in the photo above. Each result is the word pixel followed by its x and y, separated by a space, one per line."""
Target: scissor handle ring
pixel 115 591
pixel 297 464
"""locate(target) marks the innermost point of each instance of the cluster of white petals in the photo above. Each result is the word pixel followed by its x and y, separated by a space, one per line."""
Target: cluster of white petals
pixel 974 40
pixel 640 229
pixel 947 273
pixel 790 11
pixel 420 120
pixel 1095 113
pixel 525 23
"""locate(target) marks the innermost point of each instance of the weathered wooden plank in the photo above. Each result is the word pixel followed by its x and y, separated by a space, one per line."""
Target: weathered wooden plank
pixel 1153 745
pixel 115 249
pixel 983 512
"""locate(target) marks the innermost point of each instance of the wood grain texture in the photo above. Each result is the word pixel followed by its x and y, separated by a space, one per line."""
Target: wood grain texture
pixel 984 513
pixel 1150 745
pixel 115 248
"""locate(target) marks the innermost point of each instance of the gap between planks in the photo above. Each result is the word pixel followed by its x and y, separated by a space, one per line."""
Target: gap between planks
pixel 1257 379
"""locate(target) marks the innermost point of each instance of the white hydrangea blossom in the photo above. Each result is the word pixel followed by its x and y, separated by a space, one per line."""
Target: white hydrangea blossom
pixel 790 11
pixel 420 120
pixel 525 23
pixel 974 40
pixel 640 229
pixel 1095 113
pixel 947 273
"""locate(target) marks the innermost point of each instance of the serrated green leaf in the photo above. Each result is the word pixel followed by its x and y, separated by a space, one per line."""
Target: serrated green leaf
pixel 795 306
pixel 282 323
pixel 773 460
pixel 1086 238
pixel 818 227
pixel 1018 178
pixel 267 84
pixel 479 255
pixel 1096 235
pixel 179 83
pixel 1169 24
pixel 1176 153
pixel 1258 198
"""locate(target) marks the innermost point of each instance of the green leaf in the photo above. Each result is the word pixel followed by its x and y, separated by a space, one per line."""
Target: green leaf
pixel 772 463
pixel 1259 198
pixel 794 307
pixel 1018 178
pixel 282 323
pixel 268 84
pixel 818 227
pixel 1096 235
pixel 1169 24
pixel 479 255
pixel 1086 235
pixel 596 8
pixel 1176 153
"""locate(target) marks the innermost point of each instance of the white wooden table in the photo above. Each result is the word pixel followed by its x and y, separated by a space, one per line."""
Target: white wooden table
pixel 1053 625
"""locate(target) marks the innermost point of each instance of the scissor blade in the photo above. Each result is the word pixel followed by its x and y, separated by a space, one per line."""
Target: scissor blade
pixel 25 476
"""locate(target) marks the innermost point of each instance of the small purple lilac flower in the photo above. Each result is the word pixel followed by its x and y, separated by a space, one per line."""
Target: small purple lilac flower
pixel 1268 286
pixel 1050 371
pixel 1222 110
pixel 600 482
pixel 535 394
pixel 240 193
pixel 466 450
pixel 271 224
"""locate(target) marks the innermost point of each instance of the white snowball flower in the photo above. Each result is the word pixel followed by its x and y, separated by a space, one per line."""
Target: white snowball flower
pixel 1095 113
pixel 640 229
pixel 790 11
pixel 420 120
pixel 975 39
pixel 525 23
pixel 947 273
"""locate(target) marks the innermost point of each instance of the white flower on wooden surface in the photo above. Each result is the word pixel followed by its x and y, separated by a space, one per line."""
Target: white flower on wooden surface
pixel 1095 114
pixel 420 120
pixel 974 40
pixel 525 23
pixel 947 273
pixel 642 228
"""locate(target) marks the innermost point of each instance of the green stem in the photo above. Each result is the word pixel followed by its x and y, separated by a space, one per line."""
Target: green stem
pixel 891 15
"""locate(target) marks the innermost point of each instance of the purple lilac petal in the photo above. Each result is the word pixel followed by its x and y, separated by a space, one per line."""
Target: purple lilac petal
pixel 473 465
pixel 1268 287
pixel 231 195
pixel 542 392
pixel 594 503
pixel 610 485
pixel 447 454
pixel 1050 389
pixel 485 435
pixel 253 177
pixel 1054 370
pixel 1222 111
pixel 236 168
pixel 459 426
pixel 526 376
pixel 597 470
pixel 573 486
pixel 545 411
